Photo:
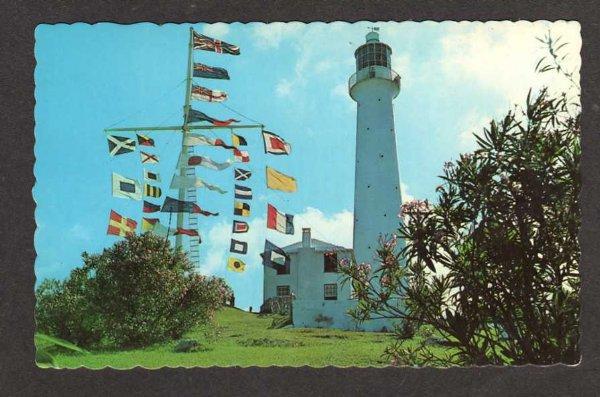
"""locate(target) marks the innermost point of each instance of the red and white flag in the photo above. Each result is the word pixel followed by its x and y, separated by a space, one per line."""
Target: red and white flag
pixel 283 223
pixel 241 156
pixel 275 144
pixel 204 94
pixel 240 227
pixel 188 232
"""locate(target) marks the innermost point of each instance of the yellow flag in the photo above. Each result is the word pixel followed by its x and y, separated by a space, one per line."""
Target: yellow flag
pixel 278 181
pixel 235 265
pixel 148 224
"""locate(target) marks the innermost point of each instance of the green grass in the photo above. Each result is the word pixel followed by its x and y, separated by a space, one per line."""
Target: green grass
pixel 238 338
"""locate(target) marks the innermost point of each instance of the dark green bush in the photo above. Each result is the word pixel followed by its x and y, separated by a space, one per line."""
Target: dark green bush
pixel 269 342
pixel 189 346
pixel 138 292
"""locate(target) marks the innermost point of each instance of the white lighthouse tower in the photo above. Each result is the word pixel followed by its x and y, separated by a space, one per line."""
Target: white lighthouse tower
pixel 377 184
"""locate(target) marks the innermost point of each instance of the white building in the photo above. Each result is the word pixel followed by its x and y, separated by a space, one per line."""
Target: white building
pixel 320 299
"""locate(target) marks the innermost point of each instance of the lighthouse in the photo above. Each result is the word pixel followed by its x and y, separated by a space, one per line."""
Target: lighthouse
pixel 377 183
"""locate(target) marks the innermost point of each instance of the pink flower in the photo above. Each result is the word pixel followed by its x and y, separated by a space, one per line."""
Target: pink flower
pixel 391 243
pixel 467 156
pixel 414 206
pixel 385 281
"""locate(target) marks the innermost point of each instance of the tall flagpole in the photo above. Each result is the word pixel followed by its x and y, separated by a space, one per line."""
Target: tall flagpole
pixel 185 130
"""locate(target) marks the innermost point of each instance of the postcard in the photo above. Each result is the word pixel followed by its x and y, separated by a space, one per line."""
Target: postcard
pixel 366 194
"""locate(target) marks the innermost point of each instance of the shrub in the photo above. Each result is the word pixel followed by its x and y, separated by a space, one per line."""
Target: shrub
pixel 138 292
pixel 280 321
pixel 63 310
pixel 47 346
pixel 269 342
pixel 493 265
pixel 188 346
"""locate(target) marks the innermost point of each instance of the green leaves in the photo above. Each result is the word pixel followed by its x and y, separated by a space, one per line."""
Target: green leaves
pixel 51 341
pixel 482 264
pixel 135 293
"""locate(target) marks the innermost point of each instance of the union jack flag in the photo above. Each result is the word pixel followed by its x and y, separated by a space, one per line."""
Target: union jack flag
pixel 204 94
pixel 210 72
pixel 202 42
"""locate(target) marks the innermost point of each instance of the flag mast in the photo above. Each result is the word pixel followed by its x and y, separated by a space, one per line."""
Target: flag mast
pixel 185 130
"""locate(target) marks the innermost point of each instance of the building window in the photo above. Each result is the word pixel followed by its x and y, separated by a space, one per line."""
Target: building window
pixel 283 290
pixel 281 269
pixel 330 262
pixel 330 292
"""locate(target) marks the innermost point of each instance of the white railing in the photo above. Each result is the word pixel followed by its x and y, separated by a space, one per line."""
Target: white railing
pixel 373 72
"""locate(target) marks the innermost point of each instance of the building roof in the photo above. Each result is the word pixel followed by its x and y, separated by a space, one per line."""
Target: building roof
pixel 315 244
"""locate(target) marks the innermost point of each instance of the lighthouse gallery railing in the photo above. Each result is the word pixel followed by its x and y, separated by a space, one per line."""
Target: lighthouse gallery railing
pixel 378 72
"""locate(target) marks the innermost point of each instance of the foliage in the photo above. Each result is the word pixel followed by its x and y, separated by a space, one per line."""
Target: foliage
pixel 137 292
pixel 280 321
pixel 493 265
pixel 47 346
pixel 188 346
pixel 269 342
pixel 304 346
pixel 553 60
pixel 44 359
pixel 277 304
pixel 63 310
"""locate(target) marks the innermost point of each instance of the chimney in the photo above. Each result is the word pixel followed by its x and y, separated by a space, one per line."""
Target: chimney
pixel 306 237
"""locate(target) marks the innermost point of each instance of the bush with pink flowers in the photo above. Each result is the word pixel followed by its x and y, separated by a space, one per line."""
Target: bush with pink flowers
pixel 138 292
pixel 493 265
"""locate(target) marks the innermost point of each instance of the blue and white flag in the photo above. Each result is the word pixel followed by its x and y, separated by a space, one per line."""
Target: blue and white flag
pixel 243 192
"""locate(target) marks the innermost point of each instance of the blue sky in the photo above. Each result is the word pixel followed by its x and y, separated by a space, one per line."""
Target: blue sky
pixel 292 77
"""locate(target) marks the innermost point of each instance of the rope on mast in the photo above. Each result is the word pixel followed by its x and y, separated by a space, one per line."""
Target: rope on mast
pixel 239 114
pixel 145 107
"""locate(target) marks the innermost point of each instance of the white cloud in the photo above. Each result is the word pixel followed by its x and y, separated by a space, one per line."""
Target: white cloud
pixel 406 197
pixel 501 56
pixel 335 229
pixel 316 55
pixel 80 232
pixel 283 88
pixel 217 244
pixel 341 90
pixel 324 66
pixel 401 63
pixel 216 30
pixel 472 123
pixel 269 36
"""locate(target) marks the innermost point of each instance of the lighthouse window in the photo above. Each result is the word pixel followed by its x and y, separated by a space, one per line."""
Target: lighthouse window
pixel 374 54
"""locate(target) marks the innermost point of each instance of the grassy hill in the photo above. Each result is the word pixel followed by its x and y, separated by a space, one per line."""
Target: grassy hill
pixel 238 338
